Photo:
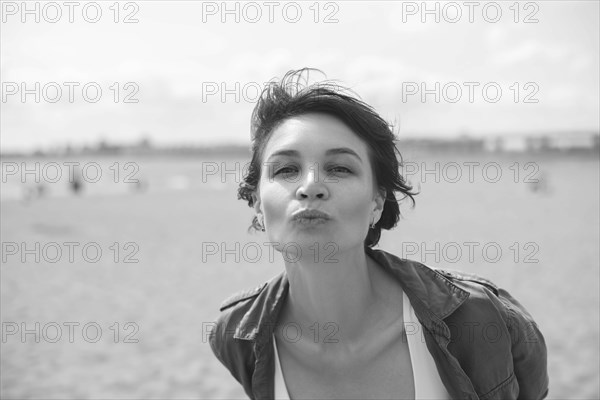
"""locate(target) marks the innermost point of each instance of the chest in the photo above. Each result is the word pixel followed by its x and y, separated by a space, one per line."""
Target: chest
pixel 383 371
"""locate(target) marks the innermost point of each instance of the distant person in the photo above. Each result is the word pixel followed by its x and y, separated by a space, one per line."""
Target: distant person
pixel 76 182
pixel 357 322
pixel 140 185
pixel 540 184
pixel 33 192
pixel 40 190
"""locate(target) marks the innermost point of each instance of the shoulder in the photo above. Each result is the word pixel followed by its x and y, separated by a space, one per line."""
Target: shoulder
pixel 482 290
pixel 232 310
pixel 489 303
pixel 468 281
pixel 236 355
pixel 486 303
pixel 503 332
pixel 242 296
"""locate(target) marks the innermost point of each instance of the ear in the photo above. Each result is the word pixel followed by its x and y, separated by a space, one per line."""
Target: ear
pixel 379 199
pixel 256 203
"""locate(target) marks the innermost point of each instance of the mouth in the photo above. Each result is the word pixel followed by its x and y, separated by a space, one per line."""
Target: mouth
pixel 310 217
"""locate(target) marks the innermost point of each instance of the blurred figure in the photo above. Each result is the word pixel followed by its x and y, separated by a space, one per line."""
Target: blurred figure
pixel 140 185
pixel 32 192
pixel 76 183
pixel 541 184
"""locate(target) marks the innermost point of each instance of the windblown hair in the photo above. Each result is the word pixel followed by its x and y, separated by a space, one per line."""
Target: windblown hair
pixel 289 98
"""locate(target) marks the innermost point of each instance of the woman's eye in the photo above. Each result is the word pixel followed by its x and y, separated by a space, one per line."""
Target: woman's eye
pixel 335 170
pixel 340 169
pixel 285 171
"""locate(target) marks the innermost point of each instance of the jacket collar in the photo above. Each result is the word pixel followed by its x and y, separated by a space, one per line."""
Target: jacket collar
pixel 432 296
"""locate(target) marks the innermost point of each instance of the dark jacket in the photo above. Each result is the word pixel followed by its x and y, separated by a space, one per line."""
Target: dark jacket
pixel 484 343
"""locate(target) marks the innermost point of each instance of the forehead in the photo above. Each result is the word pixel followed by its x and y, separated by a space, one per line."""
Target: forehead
pixel 312 133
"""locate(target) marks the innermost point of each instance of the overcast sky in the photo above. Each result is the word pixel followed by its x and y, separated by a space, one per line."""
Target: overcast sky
pixel 179 55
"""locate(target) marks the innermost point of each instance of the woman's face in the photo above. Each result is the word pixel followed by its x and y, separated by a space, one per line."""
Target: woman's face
pixel 315 162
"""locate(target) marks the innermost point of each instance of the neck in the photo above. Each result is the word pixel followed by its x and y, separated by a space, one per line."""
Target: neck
pixel 343 292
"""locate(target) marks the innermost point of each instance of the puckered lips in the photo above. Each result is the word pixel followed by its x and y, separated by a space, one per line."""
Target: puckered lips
pixel 307 216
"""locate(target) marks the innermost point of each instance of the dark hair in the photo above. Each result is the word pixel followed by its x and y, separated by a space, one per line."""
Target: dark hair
pixel 280 101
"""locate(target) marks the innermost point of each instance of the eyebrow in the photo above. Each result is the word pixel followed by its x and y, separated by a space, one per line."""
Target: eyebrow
pixel 337 150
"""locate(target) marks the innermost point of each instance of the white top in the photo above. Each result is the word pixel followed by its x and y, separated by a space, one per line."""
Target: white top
pixel 428 384
pixel 281 392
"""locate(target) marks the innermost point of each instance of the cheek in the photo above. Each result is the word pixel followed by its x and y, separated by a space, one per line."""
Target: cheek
pixel 356 204
pixel 355 196
pixel 358 211
pixel 274 202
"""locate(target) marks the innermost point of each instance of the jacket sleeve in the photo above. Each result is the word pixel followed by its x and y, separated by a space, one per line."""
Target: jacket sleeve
pixel 528 349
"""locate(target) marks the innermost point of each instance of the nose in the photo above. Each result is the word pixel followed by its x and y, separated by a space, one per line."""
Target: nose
pixel 311 187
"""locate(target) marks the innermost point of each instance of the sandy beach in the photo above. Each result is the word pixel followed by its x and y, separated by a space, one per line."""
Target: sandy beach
pixel 147 300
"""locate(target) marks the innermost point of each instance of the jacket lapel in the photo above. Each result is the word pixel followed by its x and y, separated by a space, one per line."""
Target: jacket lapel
pixel 433 298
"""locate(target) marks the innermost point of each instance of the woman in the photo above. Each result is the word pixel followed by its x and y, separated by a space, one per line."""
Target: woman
pixel 343 320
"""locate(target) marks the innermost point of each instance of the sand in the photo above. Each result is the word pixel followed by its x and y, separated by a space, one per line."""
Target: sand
pixel 171 293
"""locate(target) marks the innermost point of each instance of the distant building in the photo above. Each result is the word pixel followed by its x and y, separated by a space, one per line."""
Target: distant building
pixel 565 141
pixel 506 143
pixel 463 143
pixel 539 143
pixel 573 141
